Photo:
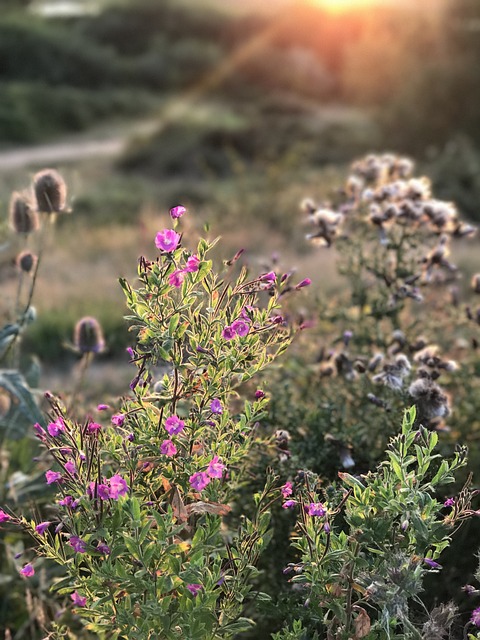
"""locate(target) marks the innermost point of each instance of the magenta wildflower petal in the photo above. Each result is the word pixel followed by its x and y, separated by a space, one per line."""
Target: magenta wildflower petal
pixel 228 333
pixel 77 544
pixel 449 502
pixel 56 428
pixel 93 427
pixel 431 563
pixel 70 467
pixel 194 589
pixel 177 212
pixel 42 527
pixel 168 448
pixel 103 548
pixel 304 283
pixel 241 327
pixel 192 264
pixel 199 480
pixel 289 504
pixel 216 406
pixel 102 407
pixel 78 600
pixel 315 509
pixel 118 487
pixel 176 278
pixel 259 394
pixel 167 240
pixel 66 501
pixel 28 571
pixel 39 430
pixel 269 277
pixel 52 476
pixel 215 468
pixel 118 419
pixel 287 489
pixel 174 425
pixel 99 489
pixel 4 517
pixel 475 618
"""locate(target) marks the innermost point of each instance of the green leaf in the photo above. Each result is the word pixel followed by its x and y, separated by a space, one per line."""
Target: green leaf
pixel 23 411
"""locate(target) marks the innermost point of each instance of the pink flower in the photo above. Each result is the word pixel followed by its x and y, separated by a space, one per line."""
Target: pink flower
pixel 216 406
pixel 199 480
pixel 4 517
pixel 431 563
pixel 52 476
pixel 177 212
pixel 289 504
pixel 167 448
pixel 118 419
pixel 79 600
pixel 42 527
pixel 449 502
pixel 176 278
pixel 56 428
pixel 241 327
pixel 77 544
pixel 475 618
pixel 67 501
pixel 167 240
pixel 70 467
pixel 28 571
pixel 102 407
pixel 315 509
pixel 304 283
pixel 287 489
pixel 192 264
pixel 93 427
pixel 215 468
pixel 228 333
pixel 174 425
pixel 269 279
pixel 101 490
pixel 259 394
pixel 118 487
pixel 194 589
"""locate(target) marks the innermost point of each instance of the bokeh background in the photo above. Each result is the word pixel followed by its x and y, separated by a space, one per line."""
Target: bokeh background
pixel 234 108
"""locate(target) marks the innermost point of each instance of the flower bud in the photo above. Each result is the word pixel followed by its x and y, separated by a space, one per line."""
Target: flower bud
pixel 26 261
pixel 23 217
pixel 88 336
pixel 50 191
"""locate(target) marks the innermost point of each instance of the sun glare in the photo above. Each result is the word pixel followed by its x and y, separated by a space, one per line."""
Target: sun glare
pixel 339 6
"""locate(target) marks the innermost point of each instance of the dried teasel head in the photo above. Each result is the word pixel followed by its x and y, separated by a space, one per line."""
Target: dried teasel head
pixel 88 336
pixel 22 215
pixel 50 191
pixel 26 261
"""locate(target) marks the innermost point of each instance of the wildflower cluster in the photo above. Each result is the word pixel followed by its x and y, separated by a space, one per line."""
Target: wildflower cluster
pixel 140 497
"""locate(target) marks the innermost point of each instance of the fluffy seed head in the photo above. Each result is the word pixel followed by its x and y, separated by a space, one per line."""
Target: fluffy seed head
pixel 88 336
pixel 23 217
pixel 50 191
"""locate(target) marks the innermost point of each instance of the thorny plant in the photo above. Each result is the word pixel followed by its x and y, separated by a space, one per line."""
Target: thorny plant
pixel 366 543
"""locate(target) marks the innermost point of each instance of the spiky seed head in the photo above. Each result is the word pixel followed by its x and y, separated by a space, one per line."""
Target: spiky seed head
pixel 88 336
pixel 26 261
pixel 50 191
pixel 22 215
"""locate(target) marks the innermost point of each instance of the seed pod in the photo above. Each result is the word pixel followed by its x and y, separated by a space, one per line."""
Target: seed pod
pixel 26 261
pixel 23 217
pixel 88 336
pixel 50 191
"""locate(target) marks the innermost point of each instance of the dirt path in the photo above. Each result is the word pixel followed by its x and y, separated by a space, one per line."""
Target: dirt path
pixel 89 145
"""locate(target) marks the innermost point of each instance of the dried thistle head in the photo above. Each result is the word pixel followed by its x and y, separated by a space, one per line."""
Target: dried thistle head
pixel 50 191
pixel 88 336
pixel 22 215
pixel 431 401
pixel 26 261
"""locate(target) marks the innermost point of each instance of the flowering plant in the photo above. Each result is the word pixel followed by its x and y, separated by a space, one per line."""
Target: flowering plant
pixel 137 524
